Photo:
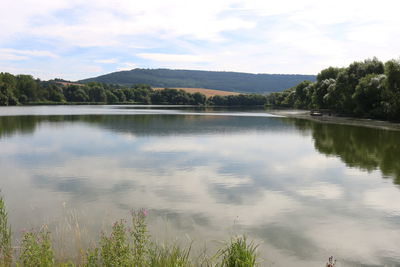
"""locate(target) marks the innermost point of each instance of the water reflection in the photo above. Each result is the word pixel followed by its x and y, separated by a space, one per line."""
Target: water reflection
pixel 361 147
pixel 209 177
pixel 365 148
pixel 143 124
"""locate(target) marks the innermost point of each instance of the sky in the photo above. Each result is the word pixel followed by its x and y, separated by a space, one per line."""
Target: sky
pixel 76 39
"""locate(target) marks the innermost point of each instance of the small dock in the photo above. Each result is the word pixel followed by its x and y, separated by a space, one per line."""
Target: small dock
pixel 315 113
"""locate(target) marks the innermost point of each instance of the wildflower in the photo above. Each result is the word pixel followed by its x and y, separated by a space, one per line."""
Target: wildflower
pixel 331 262
pixel 144 212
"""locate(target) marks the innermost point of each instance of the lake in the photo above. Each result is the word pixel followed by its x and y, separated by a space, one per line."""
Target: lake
pixel 302 190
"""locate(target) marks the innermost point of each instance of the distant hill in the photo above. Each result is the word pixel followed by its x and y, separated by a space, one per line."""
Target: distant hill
pixel 219 80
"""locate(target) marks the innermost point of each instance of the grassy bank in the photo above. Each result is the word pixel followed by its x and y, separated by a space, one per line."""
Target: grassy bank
pixel 127 244
pixel 305 114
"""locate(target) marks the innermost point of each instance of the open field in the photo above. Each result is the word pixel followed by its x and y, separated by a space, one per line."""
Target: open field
pixel 69 83
pixel 207 92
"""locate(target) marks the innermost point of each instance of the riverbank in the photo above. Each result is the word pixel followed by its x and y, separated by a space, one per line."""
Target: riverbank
pixel 305 114
pixel 126 245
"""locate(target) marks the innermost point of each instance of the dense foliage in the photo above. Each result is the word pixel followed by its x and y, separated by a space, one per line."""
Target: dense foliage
pixel 219 80
pixel 238 100
pixel 24 89
pixel 368 89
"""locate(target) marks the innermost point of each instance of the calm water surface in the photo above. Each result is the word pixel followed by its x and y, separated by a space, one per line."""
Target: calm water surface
pixel 301 189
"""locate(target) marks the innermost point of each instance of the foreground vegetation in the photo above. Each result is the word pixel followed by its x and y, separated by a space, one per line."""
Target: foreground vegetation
pixel 369 89
pixel 126 245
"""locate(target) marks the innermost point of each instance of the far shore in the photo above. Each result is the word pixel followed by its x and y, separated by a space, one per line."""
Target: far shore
pixel 305 114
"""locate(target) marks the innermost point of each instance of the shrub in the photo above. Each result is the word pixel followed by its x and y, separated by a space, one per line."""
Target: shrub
pixel 114 249
pixel 36 250
pixel 238 253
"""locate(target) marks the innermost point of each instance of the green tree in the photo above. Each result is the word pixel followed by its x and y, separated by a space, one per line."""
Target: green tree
pixel 10 81
pixel 199 99
pixel 217 100
pixel 142 95
pixel 391 102
pixel 80 95
pixel 392 72
pixel 368 96
pixel 119 94
pixel 321 90
pixel 111 98
pixel 329 73
pixel 28 87
pixel 301 94
pixel 56 95
pixel 97 93
pixel 129 94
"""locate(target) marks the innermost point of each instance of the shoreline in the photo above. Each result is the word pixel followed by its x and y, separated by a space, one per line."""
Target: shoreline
pixel 334 119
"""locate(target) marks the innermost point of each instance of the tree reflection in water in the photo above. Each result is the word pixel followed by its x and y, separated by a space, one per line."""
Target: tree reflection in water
pixel 360 147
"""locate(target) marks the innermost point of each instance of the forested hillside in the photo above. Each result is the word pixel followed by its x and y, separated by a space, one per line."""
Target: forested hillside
pixel 229 81
pixel 369 89
pixel 25 90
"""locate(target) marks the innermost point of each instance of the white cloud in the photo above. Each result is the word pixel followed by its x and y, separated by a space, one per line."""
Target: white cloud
pixel 242 35
pixel 15 16
pixel 322 191
pixel 183 146
pixel 67 68
pixel 385 199
pixel 10 56
pixel 174 57
pixel 106 61
pixel 103 22
pixel 127 66
pixel 368 243
pixel 15 54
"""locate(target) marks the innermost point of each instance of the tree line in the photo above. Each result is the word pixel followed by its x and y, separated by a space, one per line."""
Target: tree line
pixel 24 89
pixel 369 89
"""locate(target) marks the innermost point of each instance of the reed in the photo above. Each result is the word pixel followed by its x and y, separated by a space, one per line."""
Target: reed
pixel 238 253
pixel 5 236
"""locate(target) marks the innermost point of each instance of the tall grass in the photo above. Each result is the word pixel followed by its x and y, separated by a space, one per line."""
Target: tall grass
pixel 126 245
pixel 169 255
pixel 5 237
pixel 238 253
